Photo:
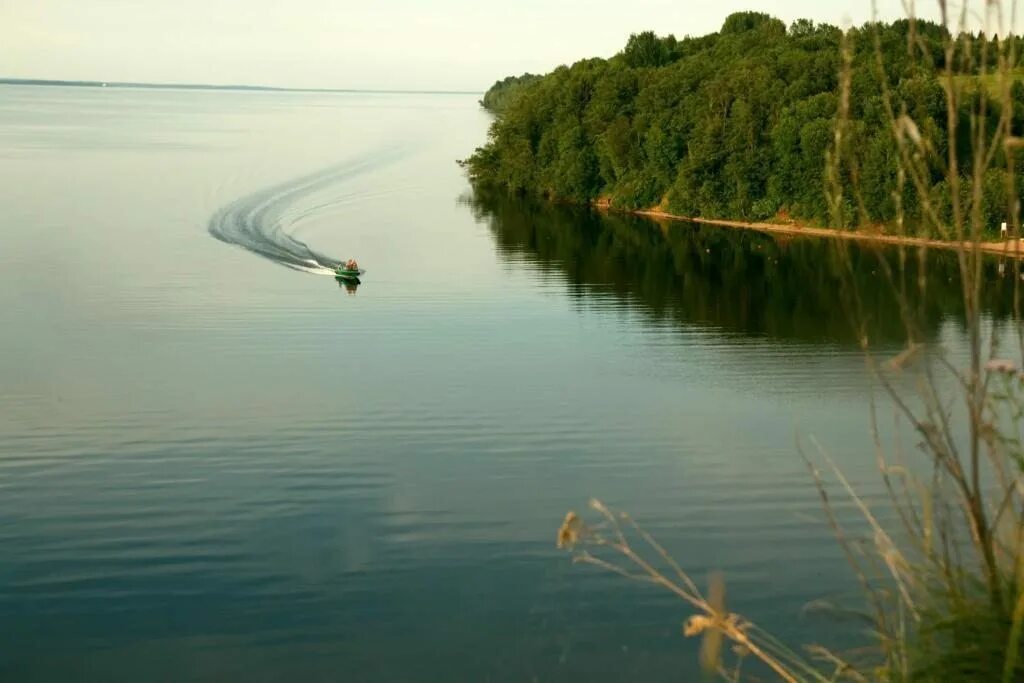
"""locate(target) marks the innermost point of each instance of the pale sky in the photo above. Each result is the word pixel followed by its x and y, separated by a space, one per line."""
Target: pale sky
pixel 385 44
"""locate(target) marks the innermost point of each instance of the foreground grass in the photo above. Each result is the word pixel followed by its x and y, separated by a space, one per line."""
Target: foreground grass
pixel 943 590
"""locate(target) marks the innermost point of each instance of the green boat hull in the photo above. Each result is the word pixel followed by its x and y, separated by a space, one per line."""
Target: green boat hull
pixel 350 275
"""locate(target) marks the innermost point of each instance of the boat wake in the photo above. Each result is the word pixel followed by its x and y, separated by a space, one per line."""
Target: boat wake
pixel 264 221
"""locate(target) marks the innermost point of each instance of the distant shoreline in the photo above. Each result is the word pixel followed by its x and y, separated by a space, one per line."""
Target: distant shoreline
pixel 1012 247
pixel 202 86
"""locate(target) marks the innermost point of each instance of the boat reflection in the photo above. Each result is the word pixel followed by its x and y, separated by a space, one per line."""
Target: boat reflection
pixel 350 285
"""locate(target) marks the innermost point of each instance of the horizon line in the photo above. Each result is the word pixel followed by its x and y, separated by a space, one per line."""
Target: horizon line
pixel 219 86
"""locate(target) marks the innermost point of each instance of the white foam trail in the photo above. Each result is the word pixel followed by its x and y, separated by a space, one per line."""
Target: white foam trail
pixel 263 221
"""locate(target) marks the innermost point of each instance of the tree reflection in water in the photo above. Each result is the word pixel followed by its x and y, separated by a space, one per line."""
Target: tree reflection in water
pixel 738 281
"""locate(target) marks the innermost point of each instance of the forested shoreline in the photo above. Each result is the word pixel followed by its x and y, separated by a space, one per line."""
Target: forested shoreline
pixel 737 124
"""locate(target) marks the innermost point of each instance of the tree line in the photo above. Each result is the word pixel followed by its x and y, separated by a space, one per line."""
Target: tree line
pixel 499 95
pixel 736 124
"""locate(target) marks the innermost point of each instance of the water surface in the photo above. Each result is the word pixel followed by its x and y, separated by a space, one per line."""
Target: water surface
pixel 217 464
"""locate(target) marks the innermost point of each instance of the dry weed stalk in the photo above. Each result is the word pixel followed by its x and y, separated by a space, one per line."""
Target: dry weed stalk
pixel 607 544
pixel 953 577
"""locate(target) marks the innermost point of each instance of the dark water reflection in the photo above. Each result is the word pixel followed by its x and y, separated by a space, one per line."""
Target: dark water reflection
pixel 737 281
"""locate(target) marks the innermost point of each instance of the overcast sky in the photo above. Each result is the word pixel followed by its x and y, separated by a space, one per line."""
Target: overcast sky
pixel 389 44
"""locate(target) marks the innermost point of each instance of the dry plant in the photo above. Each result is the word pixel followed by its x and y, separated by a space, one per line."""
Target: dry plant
pixel 943 583
pixel 615 542
pixel 945 586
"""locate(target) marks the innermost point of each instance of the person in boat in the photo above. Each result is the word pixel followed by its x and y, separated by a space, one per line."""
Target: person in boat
pixel 351 264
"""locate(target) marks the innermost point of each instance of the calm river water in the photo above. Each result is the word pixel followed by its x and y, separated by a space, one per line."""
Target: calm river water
pixel 217 464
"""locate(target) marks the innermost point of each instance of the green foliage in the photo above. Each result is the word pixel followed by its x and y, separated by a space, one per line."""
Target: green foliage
pixel 647 49
pixel 735 124
pixel 499 95
pixel 745 22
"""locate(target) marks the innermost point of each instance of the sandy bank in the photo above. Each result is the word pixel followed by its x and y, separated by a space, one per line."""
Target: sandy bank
pixel 1014 248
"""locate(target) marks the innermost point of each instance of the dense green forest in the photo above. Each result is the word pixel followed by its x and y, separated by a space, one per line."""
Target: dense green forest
pixel 501 94
pixel 736 124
